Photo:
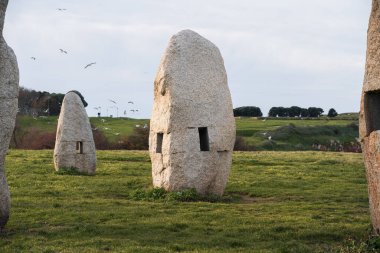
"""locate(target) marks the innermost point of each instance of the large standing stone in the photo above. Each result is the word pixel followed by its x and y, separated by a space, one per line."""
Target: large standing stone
pixel 74 145
pixel 192 130
pixel 9 79
pixel 370 115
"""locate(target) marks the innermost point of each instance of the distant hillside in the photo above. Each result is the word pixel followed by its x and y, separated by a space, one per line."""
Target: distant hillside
pixel 338 134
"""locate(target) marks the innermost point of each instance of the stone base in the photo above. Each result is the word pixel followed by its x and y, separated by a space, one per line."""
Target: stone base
pixel 4 200
pixel 371 152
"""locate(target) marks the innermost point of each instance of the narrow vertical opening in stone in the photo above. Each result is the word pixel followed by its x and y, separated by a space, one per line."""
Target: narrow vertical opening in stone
pixel 203 139
pixel 160 138
pixel 79 147
pixel 372 111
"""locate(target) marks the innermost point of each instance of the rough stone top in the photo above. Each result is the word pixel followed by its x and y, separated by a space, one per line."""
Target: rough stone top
pixel 9 74
pixel 73 122
pixel 191 66
pixel 191 82
pixel 372 74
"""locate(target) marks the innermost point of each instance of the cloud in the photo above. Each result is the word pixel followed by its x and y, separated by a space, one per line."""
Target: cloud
pixel 292 52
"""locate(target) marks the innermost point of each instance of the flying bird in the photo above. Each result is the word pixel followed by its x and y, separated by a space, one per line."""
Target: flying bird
pixel 130 102
pixel 112 101
pixel 89 65
pixel 63 51
pixel 132 110
pixel 61 9
pixel 33 58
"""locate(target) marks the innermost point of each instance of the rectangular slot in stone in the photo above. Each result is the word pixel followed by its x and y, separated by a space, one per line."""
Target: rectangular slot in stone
pixel 372 111
pixel 203 139
pixel 160 138
pixel 80 147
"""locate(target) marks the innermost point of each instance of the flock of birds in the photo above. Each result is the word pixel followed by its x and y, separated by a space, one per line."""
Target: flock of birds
pixel 85 67
pixel 65 51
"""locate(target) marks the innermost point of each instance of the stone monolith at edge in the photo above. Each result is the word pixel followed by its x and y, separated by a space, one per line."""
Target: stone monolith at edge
pixel 74 145
pixel 9 81
pixel 369 120
pixel 192 129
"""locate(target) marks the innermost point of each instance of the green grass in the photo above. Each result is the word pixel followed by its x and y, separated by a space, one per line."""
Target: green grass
pixel 274 202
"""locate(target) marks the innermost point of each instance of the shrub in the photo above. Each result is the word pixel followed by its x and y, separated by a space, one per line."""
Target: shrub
pixel 100 139
pixel 241 145
pixel 34 139
pixel 138 140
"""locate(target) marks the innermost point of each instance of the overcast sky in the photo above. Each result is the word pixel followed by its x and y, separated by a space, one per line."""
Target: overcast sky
pixel 277 53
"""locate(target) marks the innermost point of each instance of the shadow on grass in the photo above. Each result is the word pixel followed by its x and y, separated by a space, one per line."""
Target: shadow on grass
pixel 71 171
pixel 188 195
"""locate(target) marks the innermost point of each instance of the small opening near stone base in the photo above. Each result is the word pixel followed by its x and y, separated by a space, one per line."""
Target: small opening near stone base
pixel 203 139
pixel 160 138
pixel 79 147
pixel 372 111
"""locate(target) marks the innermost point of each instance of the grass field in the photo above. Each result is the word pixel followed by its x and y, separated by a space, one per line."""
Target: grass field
pixel 274 202
pixel 285 135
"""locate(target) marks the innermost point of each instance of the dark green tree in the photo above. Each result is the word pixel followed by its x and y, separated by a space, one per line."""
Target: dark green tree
pixel 248 111
pixel 54 103
pixel 273 112
pixel 314 112
pixel 304 112
pixel 282 112
pixel 294 111
pixel 332 113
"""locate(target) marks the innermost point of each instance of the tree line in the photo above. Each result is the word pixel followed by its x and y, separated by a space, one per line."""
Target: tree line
pixel 283 112
pixel 41 103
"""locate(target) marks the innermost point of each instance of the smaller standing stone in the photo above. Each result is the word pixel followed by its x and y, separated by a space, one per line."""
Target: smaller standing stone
pixel 74 146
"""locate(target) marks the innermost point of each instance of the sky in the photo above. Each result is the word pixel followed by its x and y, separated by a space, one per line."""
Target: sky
pixel 276 53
